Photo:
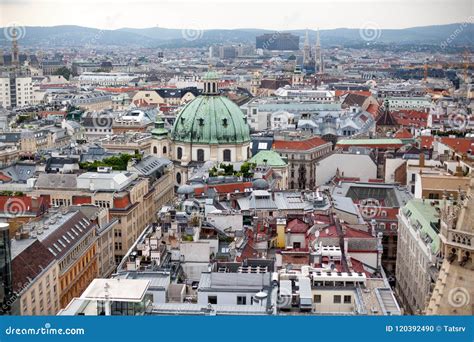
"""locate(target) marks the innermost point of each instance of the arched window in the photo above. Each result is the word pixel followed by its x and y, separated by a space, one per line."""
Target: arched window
pixel 155 150
pixel 200 155
pixel 179 153
pixel 227 155
pixel 164 150
pixel 178 177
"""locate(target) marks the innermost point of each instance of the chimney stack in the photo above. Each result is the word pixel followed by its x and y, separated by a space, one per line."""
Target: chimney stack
pixel 422 159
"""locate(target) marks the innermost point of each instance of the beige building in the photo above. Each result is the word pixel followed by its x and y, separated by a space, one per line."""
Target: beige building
pixel 22 94
pixel 129 143
pixel 36 287
pixel 302 155
pixel 131 199
pixel 454 288
pixel 172 97
pixel 435 186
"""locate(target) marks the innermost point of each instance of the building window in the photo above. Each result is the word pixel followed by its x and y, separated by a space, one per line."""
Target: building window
pixel 117 232
pixel 155 150
pixel 212 299
pixel 179 153
pixel 317 298
pixel 178 177
pixel 347 299
pixel 337 299
pixel 227 155
pixel 164 150
pixel 241 300
pixel 200 155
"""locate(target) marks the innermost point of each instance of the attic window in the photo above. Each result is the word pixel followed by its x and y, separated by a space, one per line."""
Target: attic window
pixel 224 122
pixel 182 120
pixel 201 121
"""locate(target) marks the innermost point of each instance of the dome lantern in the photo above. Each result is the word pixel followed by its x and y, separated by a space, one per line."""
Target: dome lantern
pixel 211 83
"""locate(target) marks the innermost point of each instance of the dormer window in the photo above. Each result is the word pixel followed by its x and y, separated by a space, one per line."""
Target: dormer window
pixel 224 122
pixel 201 121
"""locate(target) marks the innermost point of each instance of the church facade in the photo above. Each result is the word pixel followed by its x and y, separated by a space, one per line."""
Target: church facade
pixel 209 128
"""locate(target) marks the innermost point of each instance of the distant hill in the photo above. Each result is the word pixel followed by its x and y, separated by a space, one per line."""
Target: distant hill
pixel 77 36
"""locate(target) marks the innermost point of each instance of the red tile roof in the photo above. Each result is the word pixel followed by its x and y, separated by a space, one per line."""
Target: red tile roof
pixel 302 145
pixel 4 177
pixel 27 265
pixel 297 226
pixel 403 134
pixel 426 142
pixel 353 233
pixel 411 118
pixel 23 205
pixel 459 145
pixel 373 109
pixel 225 188
pixel 357 92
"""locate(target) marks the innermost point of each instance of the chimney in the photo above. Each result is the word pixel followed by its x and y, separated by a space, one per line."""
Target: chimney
pixel 459 172
pixel 422 159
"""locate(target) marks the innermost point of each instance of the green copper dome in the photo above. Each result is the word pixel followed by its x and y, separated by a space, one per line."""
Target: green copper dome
pixel 211 120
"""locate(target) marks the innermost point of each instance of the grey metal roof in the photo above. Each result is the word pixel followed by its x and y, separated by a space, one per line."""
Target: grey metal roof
pixel 57 181
pixel 151 164
pixel 215 281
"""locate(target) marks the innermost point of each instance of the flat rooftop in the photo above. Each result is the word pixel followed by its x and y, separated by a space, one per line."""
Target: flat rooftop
pixel 117 290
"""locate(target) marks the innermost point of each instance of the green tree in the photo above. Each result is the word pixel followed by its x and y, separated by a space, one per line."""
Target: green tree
pixel 63 71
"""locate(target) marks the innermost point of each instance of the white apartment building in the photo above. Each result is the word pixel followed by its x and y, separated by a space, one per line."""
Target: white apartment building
pixel 417 250
pixel 16 91
pixel 106 78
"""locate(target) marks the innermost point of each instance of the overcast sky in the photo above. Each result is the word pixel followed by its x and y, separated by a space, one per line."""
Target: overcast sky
pixel 270 14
